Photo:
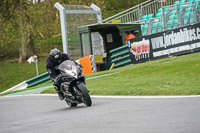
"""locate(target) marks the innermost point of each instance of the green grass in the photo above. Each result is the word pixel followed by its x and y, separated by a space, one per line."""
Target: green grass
pixel 170 76
pixel 13 73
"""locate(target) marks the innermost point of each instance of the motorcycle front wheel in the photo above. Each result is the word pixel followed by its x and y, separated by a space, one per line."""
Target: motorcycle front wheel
pixel 84 94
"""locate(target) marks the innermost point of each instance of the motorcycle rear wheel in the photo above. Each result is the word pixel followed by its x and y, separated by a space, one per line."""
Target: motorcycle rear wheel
pixel 84 93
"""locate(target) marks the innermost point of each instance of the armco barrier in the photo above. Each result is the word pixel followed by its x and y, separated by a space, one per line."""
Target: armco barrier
pixel 43 78
pixel 37 80
pixel 21 86
pixel 120 56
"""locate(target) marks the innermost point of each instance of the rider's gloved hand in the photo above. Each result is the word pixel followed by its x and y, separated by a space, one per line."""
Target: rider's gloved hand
pixel 80 65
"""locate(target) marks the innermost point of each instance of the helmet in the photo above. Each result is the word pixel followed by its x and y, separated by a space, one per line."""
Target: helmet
pixel 55 53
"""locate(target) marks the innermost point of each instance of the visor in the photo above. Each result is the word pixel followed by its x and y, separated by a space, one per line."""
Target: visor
pixel 56 56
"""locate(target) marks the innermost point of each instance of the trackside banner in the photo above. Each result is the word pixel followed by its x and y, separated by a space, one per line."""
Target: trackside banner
pixel 169 43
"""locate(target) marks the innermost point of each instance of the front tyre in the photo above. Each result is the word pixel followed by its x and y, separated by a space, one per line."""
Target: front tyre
pixel 84 93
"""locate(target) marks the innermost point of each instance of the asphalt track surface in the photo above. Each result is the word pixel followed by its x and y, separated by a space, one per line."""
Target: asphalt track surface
pixel 46 114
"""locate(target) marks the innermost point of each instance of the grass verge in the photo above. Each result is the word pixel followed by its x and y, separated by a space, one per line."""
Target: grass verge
pixel 170 76
pixel 13 73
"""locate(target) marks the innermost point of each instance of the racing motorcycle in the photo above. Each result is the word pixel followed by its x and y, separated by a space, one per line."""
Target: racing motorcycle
pixel 73 84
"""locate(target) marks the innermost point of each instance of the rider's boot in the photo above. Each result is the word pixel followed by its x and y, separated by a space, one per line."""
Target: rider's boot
pixel 60 94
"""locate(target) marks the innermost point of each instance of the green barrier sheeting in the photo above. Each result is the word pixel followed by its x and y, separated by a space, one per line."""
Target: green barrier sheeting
pixel 38 80
pixel 120 56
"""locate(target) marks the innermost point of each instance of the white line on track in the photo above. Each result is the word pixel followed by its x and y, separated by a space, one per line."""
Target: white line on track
pixel 98 96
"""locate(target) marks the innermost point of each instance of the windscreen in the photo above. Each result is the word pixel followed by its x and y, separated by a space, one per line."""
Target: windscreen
pixel 66 64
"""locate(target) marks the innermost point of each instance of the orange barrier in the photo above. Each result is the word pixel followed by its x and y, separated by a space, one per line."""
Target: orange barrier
pixel 86 63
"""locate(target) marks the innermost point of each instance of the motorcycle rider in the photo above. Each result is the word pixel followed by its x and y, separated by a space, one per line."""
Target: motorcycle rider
pixel 55 59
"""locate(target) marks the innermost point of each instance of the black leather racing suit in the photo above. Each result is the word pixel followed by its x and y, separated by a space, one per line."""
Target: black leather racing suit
pixel 51 64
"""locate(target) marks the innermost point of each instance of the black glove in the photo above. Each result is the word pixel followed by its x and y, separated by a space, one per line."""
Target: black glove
pixel 80 65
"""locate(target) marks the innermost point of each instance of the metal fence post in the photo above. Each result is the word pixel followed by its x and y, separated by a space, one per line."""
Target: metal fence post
pixel 99 16
pixel 195 14
pixel 63 27
pixel 140 12
pixel 36 64
pixel 179 18
pixel 163 16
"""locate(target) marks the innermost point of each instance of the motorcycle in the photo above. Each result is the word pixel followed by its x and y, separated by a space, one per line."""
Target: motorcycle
pixel 73 84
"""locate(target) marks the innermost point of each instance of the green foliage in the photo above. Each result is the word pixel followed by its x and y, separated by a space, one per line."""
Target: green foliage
pixel 41 20
pixel 7 32
pixel 115 6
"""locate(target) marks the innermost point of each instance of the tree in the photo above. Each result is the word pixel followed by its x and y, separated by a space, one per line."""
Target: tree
pixel 17 12
pixel 6 26
pixel 25 21
pixel 115 6
pixel 26 47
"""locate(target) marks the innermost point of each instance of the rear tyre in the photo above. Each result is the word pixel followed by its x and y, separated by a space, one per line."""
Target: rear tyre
pixel 84 93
